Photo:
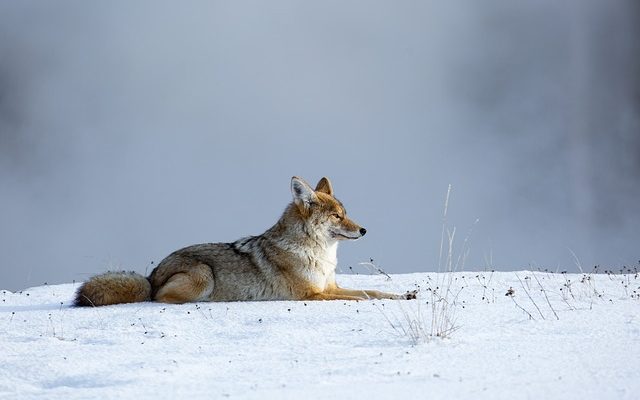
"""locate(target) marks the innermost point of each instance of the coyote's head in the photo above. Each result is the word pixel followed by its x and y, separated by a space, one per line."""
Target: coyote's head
pixel 322 213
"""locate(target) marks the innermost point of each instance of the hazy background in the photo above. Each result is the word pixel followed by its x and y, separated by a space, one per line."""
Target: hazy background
pixel 131 129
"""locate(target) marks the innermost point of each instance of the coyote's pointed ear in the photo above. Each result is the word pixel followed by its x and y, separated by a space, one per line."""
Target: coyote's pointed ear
pixel 324 186
pixel 303 194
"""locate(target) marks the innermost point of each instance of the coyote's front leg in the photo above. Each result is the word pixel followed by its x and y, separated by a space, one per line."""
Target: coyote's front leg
pixel 372 294
pixel 333 296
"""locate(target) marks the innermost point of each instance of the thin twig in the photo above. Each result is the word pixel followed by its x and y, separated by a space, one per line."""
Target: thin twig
pixel 522 308
pixel 530 298
pixel 545 296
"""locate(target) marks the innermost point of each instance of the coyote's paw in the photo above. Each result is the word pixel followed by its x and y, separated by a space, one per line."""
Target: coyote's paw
pixel 410 295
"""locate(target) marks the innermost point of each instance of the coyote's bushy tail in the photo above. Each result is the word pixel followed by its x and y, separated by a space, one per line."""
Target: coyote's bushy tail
pixel 113 288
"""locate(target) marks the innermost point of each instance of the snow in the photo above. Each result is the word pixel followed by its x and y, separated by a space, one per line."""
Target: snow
pixel 335 349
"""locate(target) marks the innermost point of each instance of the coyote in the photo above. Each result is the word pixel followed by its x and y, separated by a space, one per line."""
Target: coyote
pixel 293 260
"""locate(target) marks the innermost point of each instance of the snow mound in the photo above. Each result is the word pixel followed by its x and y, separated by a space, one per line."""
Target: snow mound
pixel 517 335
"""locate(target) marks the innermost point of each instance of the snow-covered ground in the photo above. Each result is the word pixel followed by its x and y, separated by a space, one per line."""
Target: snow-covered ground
pixel 336 349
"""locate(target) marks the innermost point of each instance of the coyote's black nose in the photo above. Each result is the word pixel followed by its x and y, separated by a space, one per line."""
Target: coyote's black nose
pixel 362 231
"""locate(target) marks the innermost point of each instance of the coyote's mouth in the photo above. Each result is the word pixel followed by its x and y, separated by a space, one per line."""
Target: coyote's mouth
pixel 343 236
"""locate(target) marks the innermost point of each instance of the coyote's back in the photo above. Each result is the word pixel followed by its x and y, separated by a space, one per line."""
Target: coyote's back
pixel 293 260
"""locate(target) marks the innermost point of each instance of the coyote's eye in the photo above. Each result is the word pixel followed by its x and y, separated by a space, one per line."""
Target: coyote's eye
pixel 336 215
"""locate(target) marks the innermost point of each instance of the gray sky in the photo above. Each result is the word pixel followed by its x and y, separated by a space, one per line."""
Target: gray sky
pixel 129 130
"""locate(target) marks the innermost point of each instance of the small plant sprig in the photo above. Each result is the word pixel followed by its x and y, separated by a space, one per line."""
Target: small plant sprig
pixel 443 297
pixel 372 266
pixel 529 296
pixel 545 295
pixel 511 294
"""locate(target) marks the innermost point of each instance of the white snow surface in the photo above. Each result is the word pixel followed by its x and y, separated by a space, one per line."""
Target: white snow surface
pixel 335 349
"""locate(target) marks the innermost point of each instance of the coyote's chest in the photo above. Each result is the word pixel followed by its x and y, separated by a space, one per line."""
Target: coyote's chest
pixel 321 268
